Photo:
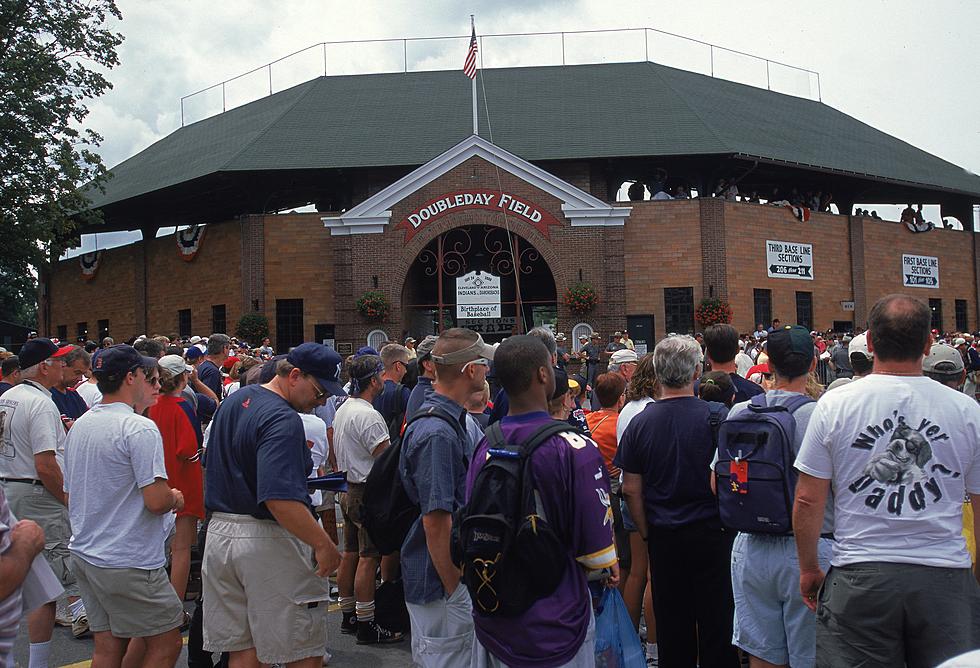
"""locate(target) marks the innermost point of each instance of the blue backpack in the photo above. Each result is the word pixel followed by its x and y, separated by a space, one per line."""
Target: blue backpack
pixel 755 474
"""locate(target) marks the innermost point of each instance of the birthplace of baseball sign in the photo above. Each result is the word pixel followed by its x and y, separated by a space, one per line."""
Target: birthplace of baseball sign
pixel 489 200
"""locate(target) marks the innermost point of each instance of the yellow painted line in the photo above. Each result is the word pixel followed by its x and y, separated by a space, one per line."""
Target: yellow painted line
pixel 88 662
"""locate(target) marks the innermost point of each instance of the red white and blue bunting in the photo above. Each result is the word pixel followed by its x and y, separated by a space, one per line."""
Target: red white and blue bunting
pixel 90 264
pixel 189 242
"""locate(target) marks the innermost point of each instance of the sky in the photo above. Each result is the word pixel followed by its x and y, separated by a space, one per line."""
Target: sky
pixel 906 68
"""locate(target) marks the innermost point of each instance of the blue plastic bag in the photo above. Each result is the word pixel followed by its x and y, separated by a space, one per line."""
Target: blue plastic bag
pixel 617 644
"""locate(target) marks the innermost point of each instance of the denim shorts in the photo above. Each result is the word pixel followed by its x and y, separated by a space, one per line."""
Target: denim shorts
pixel 628 524
pixel 771 620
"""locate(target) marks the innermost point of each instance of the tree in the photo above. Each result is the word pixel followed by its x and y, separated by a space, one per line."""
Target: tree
pixel 49 52
pixel 252 327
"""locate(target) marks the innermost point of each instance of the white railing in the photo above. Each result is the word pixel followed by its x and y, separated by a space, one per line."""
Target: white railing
pixel 420 54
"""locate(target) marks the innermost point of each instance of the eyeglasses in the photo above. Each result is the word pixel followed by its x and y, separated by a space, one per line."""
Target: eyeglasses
pixel 320 394
pixel 153 380
pixel 482 361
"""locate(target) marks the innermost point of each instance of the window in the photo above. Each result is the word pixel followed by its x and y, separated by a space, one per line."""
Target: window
pixel 62 332
pixel 218 324
pixel 962 322
pixel 324 334
pixel 936 306
pixel 289 324
pixel 184 322
pixel 804 309
pixel 762 303
pixel 679 310
pixel 377 339
pixel 577 331
pixel 81 330
pixel 103 329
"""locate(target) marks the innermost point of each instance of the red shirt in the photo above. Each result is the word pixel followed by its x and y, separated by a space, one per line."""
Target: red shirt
pixel 602 424
pixel 181 439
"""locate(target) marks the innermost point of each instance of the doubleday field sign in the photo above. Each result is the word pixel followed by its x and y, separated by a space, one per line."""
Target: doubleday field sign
pixel 510 204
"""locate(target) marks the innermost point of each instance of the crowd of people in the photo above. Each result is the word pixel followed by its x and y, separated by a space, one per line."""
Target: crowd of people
pixel 744 509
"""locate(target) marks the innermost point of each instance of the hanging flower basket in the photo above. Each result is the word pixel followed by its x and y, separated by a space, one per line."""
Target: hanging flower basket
pixel 373 305
pixel 581 298
pixel 713 312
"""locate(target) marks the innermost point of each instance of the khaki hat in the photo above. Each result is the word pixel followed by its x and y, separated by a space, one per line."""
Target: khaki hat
pixel 942 359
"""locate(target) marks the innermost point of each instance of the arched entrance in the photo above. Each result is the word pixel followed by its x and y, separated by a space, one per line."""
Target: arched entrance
pixel 527 297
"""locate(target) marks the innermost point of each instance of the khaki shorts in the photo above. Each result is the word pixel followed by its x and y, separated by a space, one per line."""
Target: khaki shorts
pixel 356 539
pixel 260 590
pixel 33 502
pixel 129 602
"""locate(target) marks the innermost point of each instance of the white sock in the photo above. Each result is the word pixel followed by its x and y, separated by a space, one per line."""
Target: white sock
pixel 40 651
pixel 365 611
pixel 76 608
pixel 652 652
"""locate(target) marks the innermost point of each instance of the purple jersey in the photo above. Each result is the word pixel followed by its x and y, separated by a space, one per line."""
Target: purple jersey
pixel 574 490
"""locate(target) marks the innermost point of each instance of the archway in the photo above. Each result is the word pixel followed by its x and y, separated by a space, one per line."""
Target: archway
pixel 528 297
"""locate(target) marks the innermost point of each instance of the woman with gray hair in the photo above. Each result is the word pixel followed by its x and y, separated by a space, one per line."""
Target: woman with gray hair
pixel 665 454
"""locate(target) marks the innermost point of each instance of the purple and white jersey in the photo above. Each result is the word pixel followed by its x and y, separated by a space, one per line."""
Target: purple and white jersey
pixel 574 491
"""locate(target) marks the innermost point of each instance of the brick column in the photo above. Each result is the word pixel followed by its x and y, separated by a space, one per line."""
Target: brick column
pixel 714 263
pixel 253 263
pixel 139 289
pixel 348 325
pixel 613 307
pixel 855 227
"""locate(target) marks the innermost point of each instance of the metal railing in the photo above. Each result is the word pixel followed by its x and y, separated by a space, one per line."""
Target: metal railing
pixel 446 59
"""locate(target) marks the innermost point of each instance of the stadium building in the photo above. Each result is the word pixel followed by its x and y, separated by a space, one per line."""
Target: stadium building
pixel 453 228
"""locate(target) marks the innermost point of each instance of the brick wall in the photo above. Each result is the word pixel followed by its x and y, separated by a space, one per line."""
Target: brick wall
pixel 299 264
pixel 885 243
pixel 662 250
pixel 748 226
pixel 109 296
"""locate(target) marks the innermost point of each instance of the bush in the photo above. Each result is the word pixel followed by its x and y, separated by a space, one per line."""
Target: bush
pixel 581 298
pixel 373 305
pixel 713 311
pixel 252 327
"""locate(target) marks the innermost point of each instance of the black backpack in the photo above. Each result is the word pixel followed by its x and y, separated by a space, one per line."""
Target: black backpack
pixel 386 511
pixel 509 553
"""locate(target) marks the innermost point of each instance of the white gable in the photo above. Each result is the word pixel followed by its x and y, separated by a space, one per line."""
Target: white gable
pixel 373 214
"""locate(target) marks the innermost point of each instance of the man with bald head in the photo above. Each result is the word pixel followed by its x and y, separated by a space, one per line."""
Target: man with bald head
pixel 433 470
pixel 901 452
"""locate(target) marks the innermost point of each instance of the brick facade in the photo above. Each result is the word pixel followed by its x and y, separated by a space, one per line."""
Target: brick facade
pixel 711 246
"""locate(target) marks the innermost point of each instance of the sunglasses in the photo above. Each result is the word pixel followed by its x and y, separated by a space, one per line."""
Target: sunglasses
pixel 319 393
pixel 482 361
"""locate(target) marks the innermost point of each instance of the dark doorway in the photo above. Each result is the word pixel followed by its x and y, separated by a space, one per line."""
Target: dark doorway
pixel 640 328
pixel 527 296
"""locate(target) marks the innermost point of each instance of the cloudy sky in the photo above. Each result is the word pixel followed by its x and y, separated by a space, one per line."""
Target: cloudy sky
pixel 907 68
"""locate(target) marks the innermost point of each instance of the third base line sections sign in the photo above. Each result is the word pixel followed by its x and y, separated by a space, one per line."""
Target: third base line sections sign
pixel 920 271
pixel 785 259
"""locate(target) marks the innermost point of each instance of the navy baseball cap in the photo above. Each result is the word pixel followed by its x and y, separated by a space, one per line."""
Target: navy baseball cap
pixel 365 350
pixel 268 371
pixel 120 359
pixel 321 362
pixel 35 351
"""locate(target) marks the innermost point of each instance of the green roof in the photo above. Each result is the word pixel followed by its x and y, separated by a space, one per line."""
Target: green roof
pixel 538 113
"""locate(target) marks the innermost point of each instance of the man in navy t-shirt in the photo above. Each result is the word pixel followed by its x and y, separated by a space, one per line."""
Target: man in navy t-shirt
pixel 209 371
pixel 665 453
pixel 392 402
pixel 721 346
pixel 69 403
pixel 257 463
pixel 574 489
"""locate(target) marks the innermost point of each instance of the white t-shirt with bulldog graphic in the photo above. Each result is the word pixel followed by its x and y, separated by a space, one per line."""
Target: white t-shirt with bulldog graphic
pixel 901 452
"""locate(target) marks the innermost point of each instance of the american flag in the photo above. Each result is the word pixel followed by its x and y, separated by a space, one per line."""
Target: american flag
pixel 469 66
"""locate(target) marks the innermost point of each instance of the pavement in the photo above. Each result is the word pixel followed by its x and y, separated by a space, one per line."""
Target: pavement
pixel 66 652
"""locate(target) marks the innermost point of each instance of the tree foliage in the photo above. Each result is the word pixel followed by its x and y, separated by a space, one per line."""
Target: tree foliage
pixel 53 55
pixel 252 327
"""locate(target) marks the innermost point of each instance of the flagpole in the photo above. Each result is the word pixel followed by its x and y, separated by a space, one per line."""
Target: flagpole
pixel 476 123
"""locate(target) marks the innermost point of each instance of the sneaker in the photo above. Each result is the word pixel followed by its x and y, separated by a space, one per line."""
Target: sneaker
pixel 348 624
pixel 79 626
pixel 370 633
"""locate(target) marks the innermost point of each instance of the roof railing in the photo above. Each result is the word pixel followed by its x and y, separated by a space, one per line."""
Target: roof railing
pixel 388 53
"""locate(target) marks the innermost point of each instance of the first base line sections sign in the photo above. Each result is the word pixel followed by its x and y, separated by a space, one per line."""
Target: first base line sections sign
pixel 920 271
pixel 785 259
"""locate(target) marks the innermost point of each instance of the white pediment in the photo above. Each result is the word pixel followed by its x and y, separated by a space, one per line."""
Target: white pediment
pixel 579 207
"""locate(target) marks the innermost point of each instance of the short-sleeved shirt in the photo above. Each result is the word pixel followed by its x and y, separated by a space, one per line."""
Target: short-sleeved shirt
pixel 392 403
pixel 570 478
pixel 358 430
pixel 433 470
pixel 420 394
pixel 671 445
pixel 745 389
pixel 209 374
pixel 111 454
pixel 30 423
pixel 4 386
pixel 840 358
pixel 182 440
pixel 89 392
pixel 591 351
pixel 69 403
pixel 901 452
pixel 602 427
pixel 316 440
pixel 256 453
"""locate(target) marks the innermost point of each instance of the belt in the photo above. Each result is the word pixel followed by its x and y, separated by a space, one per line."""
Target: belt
pixel 28 481
pixel 827 535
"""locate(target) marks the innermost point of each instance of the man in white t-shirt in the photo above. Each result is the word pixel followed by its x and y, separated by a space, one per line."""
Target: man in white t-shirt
pixel 119 501
pixel 901 451
pixel 360 435
pixel 32 438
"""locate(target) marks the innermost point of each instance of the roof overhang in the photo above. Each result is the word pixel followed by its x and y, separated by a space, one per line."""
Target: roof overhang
pixel 579 207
